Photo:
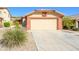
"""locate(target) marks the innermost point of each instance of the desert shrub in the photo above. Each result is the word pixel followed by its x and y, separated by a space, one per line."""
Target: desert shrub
pixel 12 38
pixel 6 24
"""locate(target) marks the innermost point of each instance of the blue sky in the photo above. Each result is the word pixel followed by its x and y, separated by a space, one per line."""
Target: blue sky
pixel 21 11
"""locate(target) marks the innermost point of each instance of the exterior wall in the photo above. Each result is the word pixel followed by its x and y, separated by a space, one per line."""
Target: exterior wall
pixel 28 24
pixel 76 25
pixel 5 14
pixel 39 16
pixel 59 23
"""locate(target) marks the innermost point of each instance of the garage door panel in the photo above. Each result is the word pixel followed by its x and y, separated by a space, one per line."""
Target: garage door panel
pixel 43 24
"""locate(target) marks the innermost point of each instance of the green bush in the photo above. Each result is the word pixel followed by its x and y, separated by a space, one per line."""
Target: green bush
pixel 13 38
pixel 6 24
pixel 68 23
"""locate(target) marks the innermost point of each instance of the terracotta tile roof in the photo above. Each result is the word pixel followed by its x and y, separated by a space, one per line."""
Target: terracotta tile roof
pixel 15 18
pixel 48 11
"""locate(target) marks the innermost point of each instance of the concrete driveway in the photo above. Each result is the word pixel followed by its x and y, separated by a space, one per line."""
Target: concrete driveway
pixel 56 40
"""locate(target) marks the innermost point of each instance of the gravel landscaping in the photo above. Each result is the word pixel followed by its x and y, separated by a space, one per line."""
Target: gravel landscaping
pixel 29 45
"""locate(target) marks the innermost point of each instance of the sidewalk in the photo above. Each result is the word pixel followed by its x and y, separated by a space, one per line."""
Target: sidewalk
pixel 73 32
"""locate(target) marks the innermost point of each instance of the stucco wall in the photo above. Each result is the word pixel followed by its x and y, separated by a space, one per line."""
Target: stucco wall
pixel 59 23
pixel 39 16
pixel 5 14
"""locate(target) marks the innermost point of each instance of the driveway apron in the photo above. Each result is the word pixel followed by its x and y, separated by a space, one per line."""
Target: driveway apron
pixel 55 41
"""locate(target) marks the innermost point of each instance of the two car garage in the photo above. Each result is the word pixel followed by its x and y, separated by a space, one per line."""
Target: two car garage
pixel 43 24
pixel 44 20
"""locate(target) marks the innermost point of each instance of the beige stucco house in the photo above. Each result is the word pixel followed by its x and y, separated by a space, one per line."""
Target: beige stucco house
pixel 44 20
pixel 76 19
pixel 4 15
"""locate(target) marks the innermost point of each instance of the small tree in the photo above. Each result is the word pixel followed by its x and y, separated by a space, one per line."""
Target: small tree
pixel 17 25
pixel 68 23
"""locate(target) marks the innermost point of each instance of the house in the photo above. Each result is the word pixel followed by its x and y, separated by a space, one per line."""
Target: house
pixel 4 15
pixel 44 20
pixel 76 19
pixel 18 19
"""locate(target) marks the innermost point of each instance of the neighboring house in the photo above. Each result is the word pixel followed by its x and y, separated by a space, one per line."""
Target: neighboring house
pixel 76 19
pixel 44 20
pixel 18 19
pixel 4 15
